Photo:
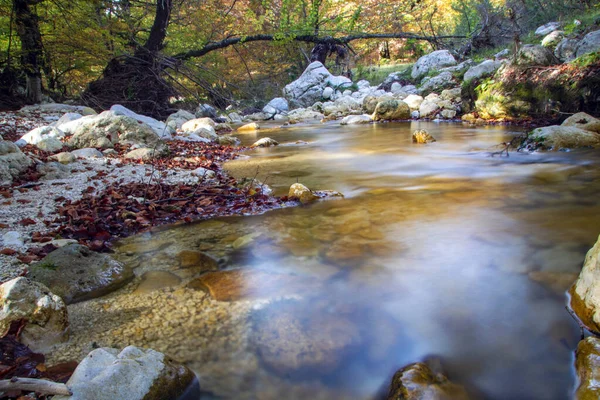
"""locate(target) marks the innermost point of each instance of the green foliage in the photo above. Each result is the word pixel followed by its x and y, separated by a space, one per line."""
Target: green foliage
pixel 586 60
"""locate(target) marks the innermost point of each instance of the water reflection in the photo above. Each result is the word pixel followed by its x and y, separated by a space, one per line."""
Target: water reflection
pixel 437 250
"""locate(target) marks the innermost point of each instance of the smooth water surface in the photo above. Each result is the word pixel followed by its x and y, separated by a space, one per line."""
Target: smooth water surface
pixel 437 250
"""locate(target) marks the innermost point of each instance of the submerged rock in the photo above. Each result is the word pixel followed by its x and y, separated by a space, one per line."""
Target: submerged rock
pixel 246 284
pixel 132 374
pixel 298 339
pixel 46 314
pixel 156 280
pixel 265 142
pixel 418 382
pixel 421 136
pixel 251 127
pixel 76 273
pixel 356 119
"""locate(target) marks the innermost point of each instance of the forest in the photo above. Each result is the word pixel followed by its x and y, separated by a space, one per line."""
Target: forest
pixel 239 50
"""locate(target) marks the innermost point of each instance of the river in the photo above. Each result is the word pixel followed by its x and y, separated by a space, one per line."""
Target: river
pixel 437 251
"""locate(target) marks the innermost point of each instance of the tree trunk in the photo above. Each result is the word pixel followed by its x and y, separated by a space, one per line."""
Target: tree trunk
pixel 32 58
pixel 158 32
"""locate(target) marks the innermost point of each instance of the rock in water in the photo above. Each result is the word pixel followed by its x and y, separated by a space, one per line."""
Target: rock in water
pixel 302 193
pixel 46 314
pixel 265 142
pixel 585 293
pixel 309 87
pixel 563 137
pixel 251 127
pixel 583 121
pixel 418 382
pixel 391 110
pixel 422 136
pixel 132 374
pixel 76 273
pixel 587 366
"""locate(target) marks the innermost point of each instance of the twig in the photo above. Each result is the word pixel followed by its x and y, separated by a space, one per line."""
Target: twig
pixel 35 385
pixel 581 325
pixel 252 182
pixel 28 185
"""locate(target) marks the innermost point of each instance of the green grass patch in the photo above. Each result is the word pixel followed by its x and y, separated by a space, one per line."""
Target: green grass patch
pixel 377 74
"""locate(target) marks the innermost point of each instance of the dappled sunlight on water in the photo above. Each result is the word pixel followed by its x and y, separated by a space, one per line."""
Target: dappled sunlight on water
pixel 437 250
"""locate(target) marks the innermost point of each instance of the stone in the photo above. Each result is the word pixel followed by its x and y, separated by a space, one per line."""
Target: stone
pixel 302 115
pixel 415 115
pixel 176 120
pixel 144 153
pixel 50 145
pixel 444 80
pixel 587 368
pixel 278 105
pixel 12 239
pixel 251 284
pixel 132 374
pixel 76 273
pixel 356 119
pixel 228 140
pixel 251 127
pixel 265 142
pixel 342 106
pixel 160 128
pixel 428 109
pixel 53 170
pixel 107 129
pixel 46 314
pixel 206 111
pixel 533 54
pixel 303 338
pixel 566 49
pixel 196 261
pixel 583 121
pixel 432 61
pixel 327 93
pixel 309 87
pixel 502 55
pixel 302 193
pixel 486 68
pixel 234 117
pixel 448 114
pixel 391 110
pixel 204 173
pixel 451 94
pixel 156 280
pixel 414 101
pixel 196 123
pixel 38 134
pixel 547 28
pixel 223 127
pixel 585 292
pixel 564 137
pixel 12 162
pixel 418 382
pixel 552 39
pixel 589 44
pixel 421 136
pixel 87 153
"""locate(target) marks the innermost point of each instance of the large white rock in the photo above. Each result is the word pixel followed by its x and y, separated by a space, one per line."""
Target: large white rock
pixel 564 137
pixel 46 314
pixel 132 374
pixel 583 121
pixel 356 119
pixel 547 28
pixel 12 162
pixel 414 101
pixel 107 129
pixel 438 83
pixel 308 88
pixel 278 105
pixel 67 117
pixel 589 44
pixel 201 127
pixel 50 144
pixel 38 134
pixel 432 61
pixel 486 68
pixel 176 120
pixel 161 129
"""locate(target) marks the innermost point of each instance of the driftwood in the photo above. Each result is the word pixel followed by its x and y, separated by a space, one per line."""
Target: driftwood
pixel 35 385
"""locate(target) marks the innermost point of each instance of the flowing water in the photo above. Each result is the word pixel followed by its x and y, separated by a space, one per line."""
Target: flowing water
pixel 437 250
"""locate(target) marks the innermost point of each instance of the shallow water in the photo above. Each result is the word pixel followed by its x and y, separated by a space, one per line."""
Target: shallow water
pixel 437 250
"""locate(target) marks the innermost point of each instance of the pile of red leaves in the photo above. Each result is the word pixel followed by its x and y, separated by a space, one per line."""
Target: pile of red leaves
pixel 17 360
pixel 123 210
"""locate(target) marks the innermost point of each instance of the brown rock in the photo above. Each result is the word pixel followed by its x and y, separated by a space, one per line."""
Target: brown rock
pixel 156 280
pixel 418 382
pixel 587 366
pixel 241 284
pixel 422 136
